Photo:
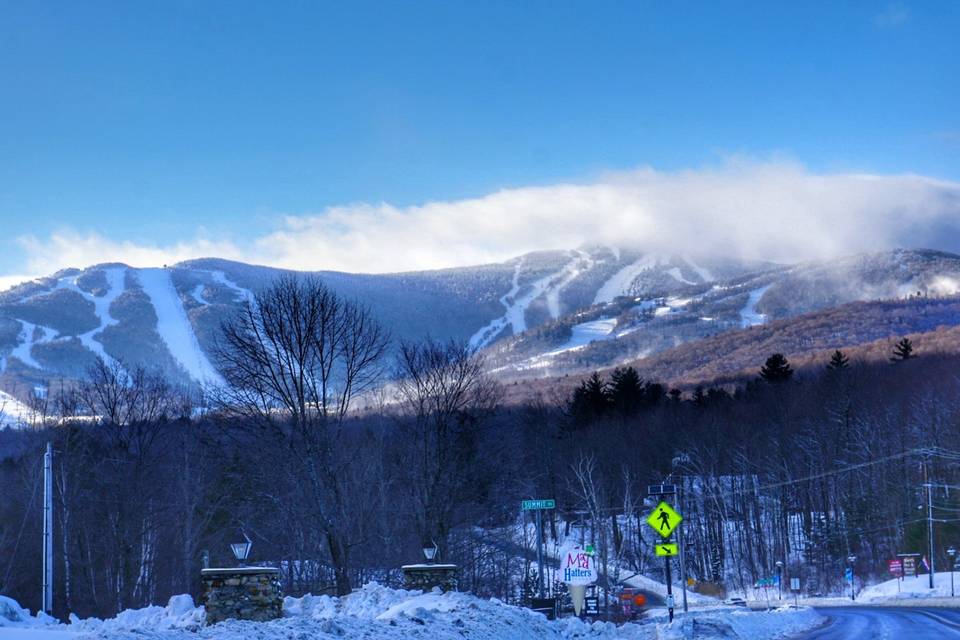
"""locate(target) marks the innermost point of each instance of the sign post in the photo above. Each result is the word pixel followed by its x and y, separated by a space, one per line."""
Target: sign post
pixel 537 506
pixel 664 519
pixel 795 587
pixel 578 569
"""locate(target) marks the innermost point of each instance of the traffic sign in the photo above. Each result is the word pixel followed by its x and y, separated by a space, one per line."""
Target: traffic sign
pixel 794 584
pixel 663 519
pixel 537 505
pixel 666 549
pixel 848 574
pixel 661 489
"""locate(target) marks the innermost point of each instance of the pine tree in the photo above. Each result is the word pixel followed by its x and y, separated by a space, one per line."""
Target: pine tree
pixel 776 369
pixel 838 361
pixel 626 391
pixel 591 400
pixel 902 351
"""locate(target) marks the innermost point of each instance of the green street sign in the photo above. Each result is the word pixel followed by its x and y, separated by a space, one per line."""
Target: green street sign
pixel 536 505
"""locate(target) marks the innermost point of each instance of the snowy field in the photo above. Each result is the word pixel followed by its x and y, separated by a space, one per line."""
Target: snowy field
pixel 380 613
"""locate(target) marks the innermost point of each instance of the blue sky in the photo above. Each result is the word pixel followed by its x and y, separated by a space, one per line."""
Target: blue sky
pixel 148 126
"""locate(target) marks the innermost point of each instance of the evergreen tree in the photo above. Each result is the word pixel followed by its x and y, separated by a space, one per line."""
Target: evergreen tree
pixel 591 400
pixel 626 391
pixel 776 369
pixel 838 361
pixel 903 350
pixel 699 397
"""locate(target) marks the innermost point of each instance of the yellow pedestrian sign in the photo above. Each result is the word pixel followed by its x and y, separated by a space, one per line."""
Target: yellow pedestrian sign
pixel 666 549
pixel 664 519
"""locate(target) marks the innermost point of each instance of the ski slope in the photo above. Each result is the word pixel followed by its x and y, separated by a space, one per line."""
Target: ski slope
pixel 621 282
pixel 749 316
pixel 174 327
pixel 13 413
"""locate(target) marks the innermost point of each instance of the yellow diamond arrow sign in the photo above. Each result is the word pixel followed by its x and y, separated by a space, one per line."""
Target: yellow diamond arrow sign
pixel 664 519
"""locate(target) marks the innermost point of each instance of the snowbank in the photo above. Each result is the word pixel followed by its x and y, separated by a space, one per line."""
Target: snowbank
pixel 910 588
pixel 379 613
pixel 13 615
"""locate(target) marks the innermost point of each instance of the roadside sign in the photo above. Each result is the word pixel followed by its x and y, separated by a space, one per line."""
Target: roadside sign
pixel 909 566
pixel 895 567
pixel 591 606
pixel 663 519
pixel 848 574
pixel 537 505
pixel 766 583
pixel 794 584
pixel 666 549
pixel 577 566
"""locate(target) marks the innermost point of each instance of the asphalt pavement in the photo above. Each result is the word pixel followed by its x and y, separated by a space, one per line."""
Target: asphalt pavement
pixel 886 623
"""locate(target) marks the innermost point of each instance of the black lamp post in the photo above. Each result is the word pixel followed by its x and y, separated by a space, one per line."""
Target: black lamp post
pixel 851 559
pixel 952 552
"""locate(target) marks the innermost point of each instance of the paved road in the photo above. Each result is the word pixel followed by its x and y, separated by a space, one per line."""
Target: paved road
pixel 887 623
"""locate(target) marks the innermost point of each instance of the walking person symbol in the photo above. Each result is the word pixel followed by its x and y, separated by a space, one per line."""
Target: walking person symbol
pixel 664 518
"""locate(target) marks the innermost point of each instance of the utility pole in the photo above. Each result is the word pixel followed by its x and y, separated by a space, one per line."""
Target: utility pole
pixel 929 487
pixel 47 600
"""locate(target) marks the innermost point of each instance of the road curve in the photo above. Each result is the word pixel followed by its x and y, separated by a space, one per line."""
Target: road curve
pixel 886 623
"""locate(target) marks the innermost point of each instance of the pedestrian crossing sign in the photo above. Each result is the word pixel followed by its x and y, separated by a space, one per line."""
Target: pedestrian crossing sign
pixel 663 519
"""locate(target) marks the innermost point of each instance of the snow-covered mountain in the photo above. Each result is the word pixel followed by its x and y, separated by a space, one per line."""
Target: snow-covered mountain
pixel 168 317
pixel 542 312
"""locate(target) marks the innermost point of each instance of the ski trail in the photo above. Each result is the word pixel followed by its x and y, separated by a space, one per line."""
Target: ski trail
pixel 678 276
pixel 516 305
pixel 13 413
pixel 174 326
pixel 619 283
pixel 101 308
pixel 705 274
pixel 749 316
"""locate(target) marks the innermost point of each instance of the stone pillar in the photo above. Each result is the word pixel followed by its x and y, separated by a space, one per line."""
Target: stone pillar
pixel 241 593
pixel 427 576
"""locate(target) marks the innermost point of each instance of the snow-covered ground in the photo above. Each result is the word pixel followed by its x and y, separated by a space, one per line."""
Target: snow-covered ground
pixel 585 333
pixel 911 588
pixel 13 413
pixel 379 613
pixel 749 316
pixel 621 283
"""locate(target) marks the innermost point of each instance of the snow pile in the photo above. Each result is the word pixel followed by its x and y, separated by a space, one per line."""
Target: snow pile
pixel 778 623
pixel 910 588
pixel 180 613
pixel 13 615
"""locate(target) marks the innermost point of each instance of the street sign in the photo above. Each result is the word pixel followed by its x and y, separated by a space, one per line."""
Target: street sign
pixel 794 584
pixel 663 519
pixel 537 505
pixel 666 549
pixel 848 575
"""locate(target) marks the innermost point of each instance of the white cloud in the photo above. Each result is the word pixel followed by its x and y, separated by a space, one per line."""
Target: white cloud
pixel 775 210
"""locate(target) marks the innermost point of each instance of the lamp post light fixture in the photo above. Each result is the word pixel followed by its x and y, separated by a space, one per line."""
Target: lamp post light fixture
pixel 241 550
pixel 851 559
pixel 952 552
pixel 779 564
pixel 430 551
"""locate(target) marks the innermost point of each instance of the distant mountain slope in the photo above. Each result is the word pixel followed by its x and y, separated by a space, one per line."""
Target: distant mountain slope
pixel 169 318
pixel 636 327
pixel 864 330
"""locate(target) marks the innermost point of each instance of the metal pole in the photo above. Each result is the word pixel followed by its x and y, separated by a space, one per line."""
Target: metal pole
pixel 669 589
pixel 539 554
pixel 680 537
pixel 47 600
pixel 930 525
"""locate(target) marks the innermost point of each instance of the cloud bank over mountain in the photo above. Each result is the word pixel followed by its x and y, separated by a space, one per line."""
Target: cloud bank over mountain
pixel 774 210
